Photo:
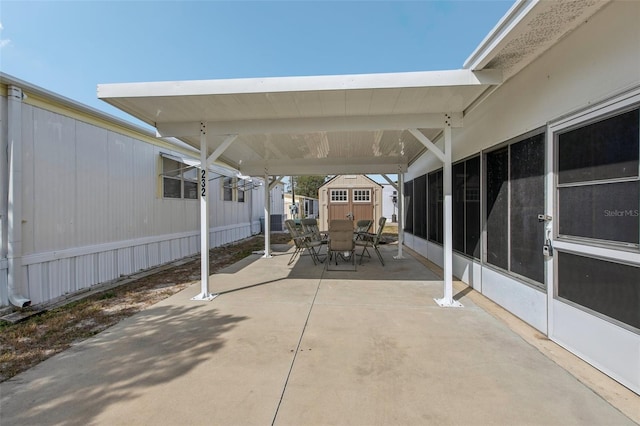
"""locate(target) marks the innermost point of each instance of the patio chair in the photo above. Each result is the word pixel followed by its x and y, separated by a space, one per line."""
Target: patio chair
pixel 310 226
pixel 372 240
pixel 341 244
pixel 302 241
pixel 362 227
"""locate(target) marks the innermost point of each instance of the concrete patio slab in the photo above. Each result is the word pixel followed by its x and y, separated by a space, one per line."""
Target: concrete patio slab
pixel 298 345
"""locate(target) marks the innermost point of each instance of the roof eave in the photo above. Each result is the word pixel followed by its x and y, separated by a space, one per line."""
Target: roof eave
pixel 496 38
pixel 462 77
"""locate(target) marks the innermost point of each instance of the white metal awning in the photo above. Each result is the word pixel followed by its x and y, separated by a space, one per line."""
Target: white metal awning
pixel 371 123
pixel 307 125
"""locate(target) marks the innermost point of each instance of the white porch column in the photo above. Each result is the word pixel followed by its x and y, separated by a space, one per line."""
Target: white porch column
pixel 400 215
pixel 447 300
pixel 267 217
pixel 204 219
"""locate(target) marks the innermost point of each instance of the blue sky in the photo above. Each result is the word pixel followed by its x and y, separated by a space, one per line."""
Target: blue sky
pixel 68 47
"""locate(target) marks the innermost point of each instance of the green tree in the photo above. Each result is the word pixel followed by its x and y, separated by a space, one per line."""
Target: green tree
pixel 309 185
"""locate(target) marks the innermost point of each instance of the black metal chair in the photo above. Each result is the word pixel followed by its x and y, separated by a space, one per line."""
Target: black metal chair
pixel 372 240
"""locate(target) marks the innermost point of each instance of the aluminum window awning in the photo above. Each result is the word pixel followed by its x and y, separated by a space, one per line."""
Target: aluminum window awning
pixel 307 125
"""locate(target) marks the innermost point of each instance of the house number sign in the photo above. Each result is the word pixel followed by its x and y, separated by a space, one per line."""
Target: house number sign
pixel 203 183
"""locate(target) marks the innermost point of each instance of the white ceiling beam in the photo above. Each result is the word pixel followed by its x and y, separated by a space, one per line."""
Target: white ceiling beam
pixel 315 124
pixel 329 124
pixel 334 166
pixel 392 183
pixel 221 148
pixel 427 143
pixel 172 130
pixel 275 181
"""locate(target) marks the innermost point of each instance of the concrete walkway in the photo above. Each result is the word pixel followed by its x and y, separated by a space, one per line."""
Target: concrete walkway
pixel 298 345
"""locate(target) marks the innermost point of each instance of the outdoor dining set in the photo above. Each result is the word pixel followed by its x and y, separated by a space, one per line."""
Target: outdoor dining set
pixel 341 241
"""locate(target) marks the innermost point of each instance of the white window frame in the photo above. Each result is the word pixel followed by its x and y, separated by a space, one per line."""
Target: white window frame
pixel 182 169
pixel 233 187
pixel 241 189
pixel 339 195
pixel 584 118
pixel 610 251
pixel 361 195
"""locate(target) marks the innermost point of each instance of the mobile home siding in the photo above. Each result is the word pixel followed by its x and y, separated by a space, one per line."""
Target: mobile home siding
pixel 4 188
pixel 93 208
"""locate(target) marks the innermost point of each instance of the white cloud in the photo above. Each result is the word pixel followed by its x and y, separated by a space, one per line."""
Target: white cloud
pixel 3 41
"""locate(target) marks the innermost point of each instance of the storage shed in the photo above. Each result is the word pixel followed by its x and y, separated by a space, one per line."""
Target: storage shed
pixel 356 197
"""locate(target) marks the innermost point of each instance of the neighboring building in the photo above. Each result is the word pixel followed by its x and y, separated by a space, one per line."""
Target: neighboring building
pixel 86 198
pixel 350 196
pixel 304 207
pixel 277 208
pixel 559 140
pixel 389 202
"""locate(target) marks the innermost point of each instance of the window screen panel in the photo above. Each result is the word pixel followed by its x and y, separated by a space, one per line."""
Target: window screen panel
pixel 435 207
pixel 603 150
pixel 472 207
pixel 458 205
pixel 171 188
pixel 497 225
pixel 604 211
pixel 527 201
pixel 408 206
pixel 609 288
pixel 227 189
pixel 190 190
pixel 420 206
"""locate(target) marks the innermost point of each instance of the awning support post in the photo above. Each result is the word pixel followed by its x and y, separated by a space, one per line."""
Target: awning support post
pixel 204 219
pixel 267 217
pixel 400 215
pixel 447 300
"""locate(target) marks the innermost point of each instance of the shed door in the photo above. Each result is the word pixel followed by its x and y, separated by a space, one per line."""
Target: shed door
pixel 350 203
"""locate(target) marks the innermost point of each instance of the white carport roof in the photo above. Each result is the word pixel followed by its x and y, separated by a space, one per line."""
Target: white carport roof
pixel 308 125
pixel 371 123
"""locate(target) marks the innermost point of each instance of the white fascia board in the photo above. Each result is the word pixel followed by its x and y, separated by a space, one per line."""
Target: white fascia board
pixel 462 77
pixel 315 124
pixel 497 37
